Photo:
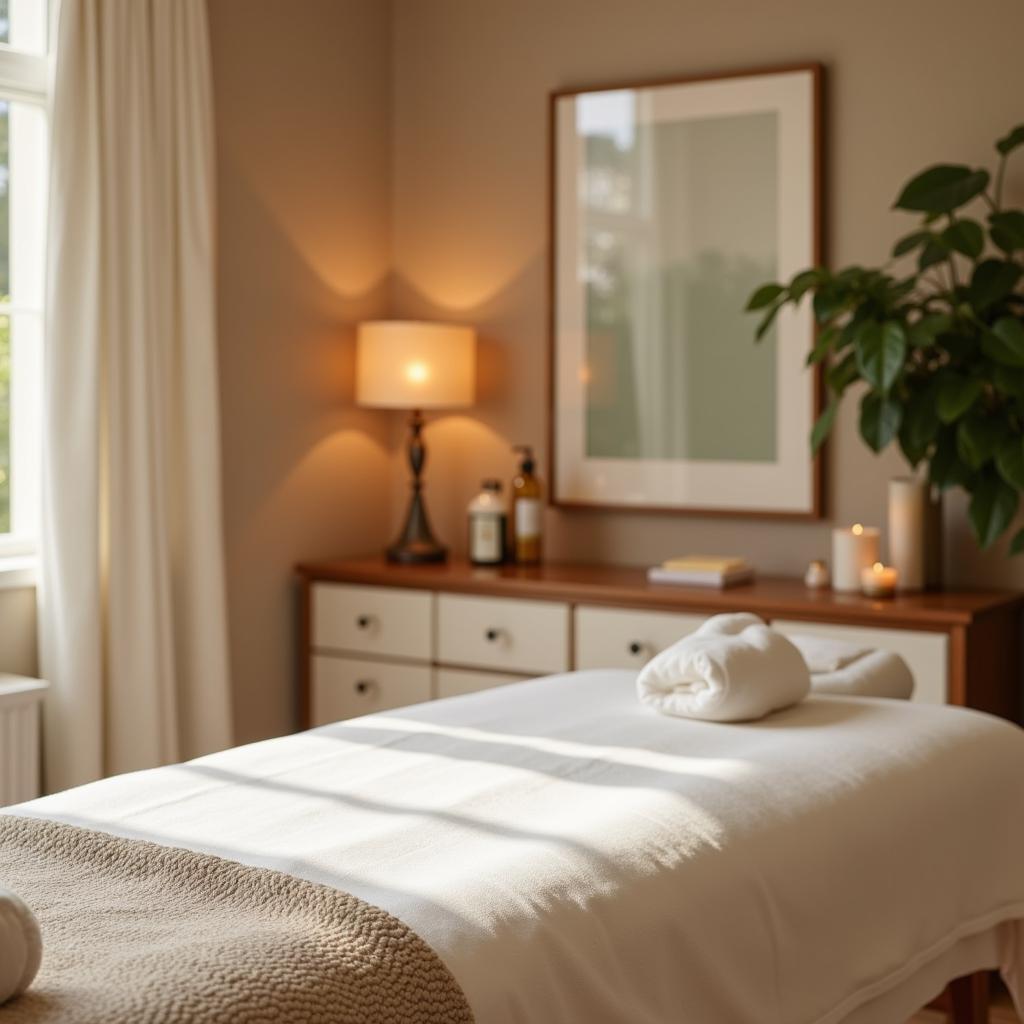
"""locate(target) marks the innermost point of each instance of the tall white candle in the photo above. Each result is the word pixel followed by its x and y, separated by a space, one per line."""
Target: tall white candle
pixel 908 499
pixel 853 548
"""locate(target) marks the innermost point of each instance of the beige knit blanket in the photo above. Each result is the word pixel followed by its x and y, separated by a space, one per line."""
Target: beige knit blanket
pixel 135 933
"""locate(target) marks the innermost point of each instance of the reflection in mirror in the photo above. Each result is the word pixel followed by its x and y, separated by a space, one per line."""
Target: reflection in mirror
pixel 679 224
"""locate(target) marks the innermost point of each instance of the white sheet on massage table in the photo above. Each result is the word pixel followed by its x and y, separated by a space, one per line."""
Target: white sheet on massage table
pixel 575 857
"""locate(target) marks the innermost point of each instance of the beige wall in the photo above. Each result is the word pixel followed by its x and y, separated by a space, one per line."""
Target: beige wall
pixel 302 95
pixel 909 83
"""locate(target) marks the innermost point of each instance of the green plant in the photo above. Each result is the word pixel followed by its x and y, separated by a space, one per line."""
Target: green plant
pixel 940 349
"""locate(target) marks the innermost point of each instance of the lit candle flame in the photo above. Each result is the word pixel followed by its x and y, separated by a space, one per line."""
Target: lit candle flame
pixel 857 529
pixel 878 567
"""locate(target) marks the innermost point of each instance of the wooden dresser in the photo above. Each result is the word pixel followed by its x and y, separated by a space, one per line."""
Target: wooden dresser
pixel 377 636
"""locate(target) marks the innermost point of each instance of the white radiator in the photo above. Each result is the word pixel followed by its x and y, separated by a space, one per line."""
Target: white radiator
pixel 21 702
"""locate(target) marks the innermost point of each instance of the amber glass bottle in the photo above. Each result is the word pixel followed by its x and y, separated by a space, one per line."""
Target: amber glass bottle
pixel 527 510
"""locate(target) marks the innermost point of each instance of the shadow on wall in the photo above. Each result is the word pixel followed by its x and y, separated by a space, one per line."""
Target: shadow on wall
pixel 511 396
pixel 305 473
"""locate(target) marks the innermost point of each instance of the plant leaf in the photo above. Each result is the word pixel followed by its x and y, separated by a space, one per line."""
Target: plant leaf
pixel 769 319
pixel 992 280
pixel 1008 143
pixel 880 350
pixel 1004 342
pixel 879 420
pixel 977 438
pixel 956 395
pixel 965 236
pixel 1017 544
pixel 803 282
pixel 823 427
pixel 843 374
pixel 923 332
pixel 1010 462
pixel 993 505
pixel 764 296
pixel 945 469
pixel 908 243
pixel 919 427
pixel 1009 382
pixel 934 252
pixel 823 345
pixel 899 289
pixel 1007 229
pixel 959 344
pixel 942 189
pixel 853 327
pixel 827 303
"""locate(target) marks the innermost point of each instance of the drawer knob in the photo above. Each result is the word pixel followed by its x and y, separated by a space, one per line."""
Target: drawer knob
pixel 364 686
pixel 636 648
pixel 492 635
pixel 364 621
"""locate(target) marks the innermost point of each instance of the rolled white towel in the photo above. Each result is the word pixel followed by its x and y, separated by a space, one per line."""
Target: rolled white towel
pixel 875 674
pixel 733 669
pixel 825 653
pixel 21 946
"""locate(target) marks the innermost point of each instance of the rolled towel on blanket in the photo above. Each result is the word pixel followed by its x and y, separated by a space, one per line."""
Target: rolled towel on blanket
pixel 825 653
pixel 21 946
pixel 733 669
pixel 874 674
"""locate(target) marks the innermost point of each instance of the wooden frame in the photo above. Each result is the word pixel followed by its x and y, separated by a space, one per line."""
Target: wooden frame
pixel 817 502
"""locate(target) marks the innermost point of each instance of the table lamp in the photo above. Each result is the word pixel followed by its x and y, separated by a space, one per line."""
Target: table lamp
pixel 405 364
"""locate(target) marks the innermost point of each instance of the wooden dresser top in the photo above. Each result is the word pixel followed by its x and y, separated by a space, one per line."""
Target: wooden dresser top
pixel 771 597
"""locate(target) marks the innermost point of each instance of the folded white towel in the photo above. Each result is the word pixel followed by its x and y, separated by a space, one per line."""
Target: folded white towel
pixel 733 669
pixel 876 674
pixel 826 654
pixel 21 946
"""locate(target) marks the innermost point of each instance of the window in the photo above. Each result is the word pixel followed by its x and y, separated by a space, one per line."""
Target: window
pixel 24 34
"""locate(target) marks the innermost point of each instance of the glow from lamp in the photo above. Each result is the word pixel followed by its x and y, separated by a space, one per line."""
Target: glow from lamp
pixel 417 373
pixel 408 364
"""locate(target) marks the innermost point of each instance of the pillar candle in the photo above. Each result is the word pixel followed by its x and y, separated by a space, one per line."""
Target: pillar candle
pixel 908 500
pixel 853 548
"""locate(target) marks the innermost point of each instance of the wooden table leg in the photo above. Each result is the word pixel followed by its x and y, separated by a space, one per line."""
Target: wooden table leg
pixel 969 998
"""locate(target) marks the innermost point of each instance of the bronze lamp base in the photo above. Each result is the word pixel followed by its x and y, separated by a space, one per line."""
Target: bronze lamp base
pixel 416 544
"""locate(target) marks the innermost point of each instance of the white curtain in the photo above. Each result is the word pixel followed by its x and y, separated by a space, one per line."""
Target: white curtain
pixel 132 616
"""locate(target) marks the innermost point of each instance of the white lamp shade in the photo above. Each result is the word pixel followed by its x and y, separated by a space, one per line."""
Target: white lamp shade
pixel 405 364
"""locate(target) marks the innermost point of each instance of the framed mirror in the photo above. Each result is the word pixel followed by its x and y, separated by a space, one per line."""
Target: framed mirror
pixel 670 204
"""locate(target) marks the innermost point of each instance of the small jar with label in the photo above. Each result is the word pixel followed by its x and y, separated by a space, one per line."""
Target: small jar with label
pixel 488 517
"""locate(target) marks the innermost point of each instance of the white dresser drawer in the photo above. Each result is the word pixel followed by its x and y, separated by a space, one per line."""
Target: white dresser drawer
pixel 388 621
pixel 926 654
pixel 348 687
pixel 453 682
pixel 624 638
pixel 513 635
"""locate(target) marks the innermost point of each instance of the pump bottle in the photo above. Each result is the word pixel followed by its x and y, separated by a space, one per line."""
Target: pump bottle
pixel 527 509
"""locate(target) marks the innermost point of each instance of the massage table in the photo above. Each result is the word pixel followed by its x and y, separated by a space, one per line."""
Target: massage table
pixel 571 856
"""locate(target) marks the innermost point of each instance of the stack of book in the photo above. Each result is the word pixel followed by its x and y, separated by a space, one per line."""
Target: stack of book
pixel 702 571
